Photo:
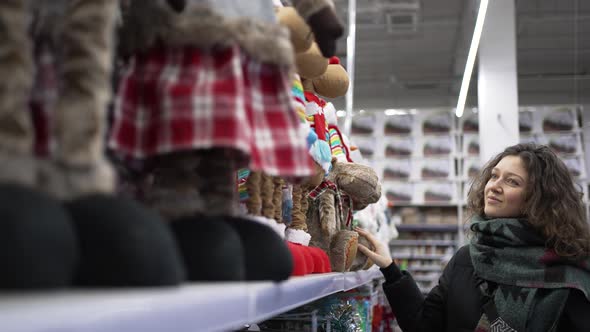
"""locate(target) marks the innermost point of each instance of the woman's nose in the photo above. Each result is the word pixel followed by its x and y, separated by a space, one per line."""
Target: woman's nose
pixel 495 186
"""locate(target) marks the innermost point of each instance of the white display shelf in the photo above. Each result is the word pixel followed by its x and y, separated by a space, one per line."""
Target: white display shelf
pixel 192 307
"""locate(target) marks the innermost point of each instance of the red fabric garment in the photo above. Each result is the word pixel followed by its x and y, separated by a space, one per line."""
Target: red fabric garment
pixel 186 98
pixel 319 120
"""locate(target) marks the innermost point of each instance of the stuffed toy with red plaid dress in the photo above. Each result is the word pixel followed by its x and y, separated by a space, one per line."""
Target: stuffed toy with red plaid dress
pixel 60 223
pixel 207 91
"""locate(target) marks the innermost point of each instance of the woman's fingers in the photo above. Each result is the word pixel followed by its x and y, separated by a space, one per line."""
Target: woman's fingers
pixel 367 235
pixel 365 250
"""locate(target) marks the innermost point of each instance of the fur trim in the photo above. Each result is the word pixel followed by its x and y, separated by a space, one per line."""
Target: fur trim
pixel 330 114
pixel 307 8
pixel 17 169
pixel 273 224
pixel 80 120
pixel 67 182
pixel 173 203
pixel 146 23
pixel 297 236
pixel 312 108
pixel 16 69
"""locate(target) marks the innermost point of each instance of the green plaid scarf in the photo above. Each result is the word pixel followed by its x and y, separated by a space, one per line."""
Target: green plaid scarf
pixel 532 282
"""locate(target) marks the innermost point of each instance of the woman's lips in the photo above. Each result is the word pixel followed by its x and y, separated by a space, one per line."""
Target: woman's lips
pixel 491 199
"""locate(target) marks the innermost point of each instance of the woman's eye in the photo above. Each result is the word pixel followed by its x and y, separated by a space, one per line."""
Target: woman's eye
pixel 512 182
pixel 494 176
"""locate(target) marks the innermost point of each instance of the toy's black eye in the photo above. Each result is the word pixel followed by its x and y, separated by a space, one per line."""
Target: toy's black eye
pixel 177 5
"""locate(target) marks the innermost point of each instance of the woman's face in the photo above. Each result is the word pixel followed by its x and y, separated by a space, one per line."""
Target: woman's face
pixel 505 190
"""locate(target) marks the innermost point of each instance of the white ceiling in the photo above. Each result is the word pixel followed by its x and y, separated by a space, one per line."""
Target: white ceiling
pixel 421 64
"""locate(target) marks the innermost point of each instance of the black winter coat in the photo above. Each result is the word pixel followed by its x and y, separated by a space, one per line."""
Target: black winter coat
pixel 455 304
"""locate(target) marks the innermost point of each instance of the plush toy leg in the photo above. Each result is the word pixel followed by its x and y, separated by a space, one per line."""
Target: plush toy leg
pixel 211 249
pixel 87 43
pixel 277 199
pixel 173 190
pixel 266 193
pixel 266 256
pixel 297 231
pixel 217 182
pixel 38 247
pixel 121 243
pixel 253 186
pixel 16 68
pixel 300 206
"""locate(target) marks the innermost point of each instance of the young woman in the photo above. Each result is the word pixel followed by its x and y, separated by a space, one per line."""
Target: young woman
pixel 527 267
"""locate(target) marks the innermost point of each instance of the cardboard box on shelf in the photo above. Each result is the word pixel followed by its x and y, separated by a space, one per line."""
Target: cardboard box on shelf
pixel 410 216
pixel 433 216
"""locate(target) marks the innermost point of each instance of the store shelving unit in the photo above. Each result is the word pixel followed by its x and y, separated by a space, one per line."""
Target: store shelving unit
pixel 193 307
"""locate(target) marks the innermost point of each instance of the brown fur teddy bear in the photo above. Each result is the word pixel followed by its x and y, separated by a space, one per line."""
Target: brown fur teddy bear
pixel 348 186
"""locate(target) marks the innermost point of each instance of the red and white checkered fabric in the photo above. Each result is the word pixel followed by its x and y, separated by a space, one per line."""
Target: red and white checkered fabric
pixel 186 98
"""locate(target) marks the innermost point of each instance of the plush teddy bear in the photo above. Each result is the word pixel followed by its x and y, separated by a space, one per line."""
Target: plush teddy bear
pixel 348 186
pixel 59 220
pixel 206 93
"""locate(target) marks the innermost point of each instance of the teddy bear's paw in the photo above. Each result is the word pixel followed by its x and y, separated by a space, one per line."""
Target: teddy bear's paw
pixel 343 249
pixel 361 261
pixel 68 182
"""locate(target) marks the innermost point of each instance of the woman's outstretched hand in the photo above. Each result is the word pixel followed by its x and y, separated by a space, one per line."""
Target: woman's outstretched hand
pixel 380 256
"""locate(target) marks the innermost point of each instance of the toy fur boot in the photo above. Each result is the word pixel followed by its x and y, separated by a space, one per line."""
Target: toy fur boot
pixel 277 198
pixel 193 191
pixel 266 193
pixel 121 243
pixel 87 43
pixel 16 67
pixel 266 254
pixel 254 202
pixel 38 246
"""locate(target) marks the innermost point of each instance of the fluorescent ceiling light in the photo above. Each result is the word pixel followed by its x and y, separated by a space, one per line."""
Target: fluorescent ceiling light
pixel 391 111
pixel 481 15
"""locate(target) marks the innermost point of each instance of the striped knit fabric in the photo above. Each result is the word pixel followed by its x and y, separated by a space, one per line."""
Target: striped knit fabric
pixel 339 148
pixel 243 174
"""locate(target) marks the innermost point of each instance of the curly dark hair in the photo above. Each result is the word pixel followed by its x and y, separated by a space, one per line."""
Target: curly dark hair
pixel 553 205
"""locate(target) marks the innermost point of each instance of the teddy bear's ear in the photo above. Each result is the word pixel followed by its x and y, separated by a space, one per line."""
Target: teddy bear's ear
pixel 301 35
pixel 333 82
pixel 311 63
pixel 177 5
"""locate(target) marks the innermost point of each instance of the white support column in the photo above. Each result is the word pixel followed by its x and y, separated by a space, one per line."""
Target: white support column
pixel 497 82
